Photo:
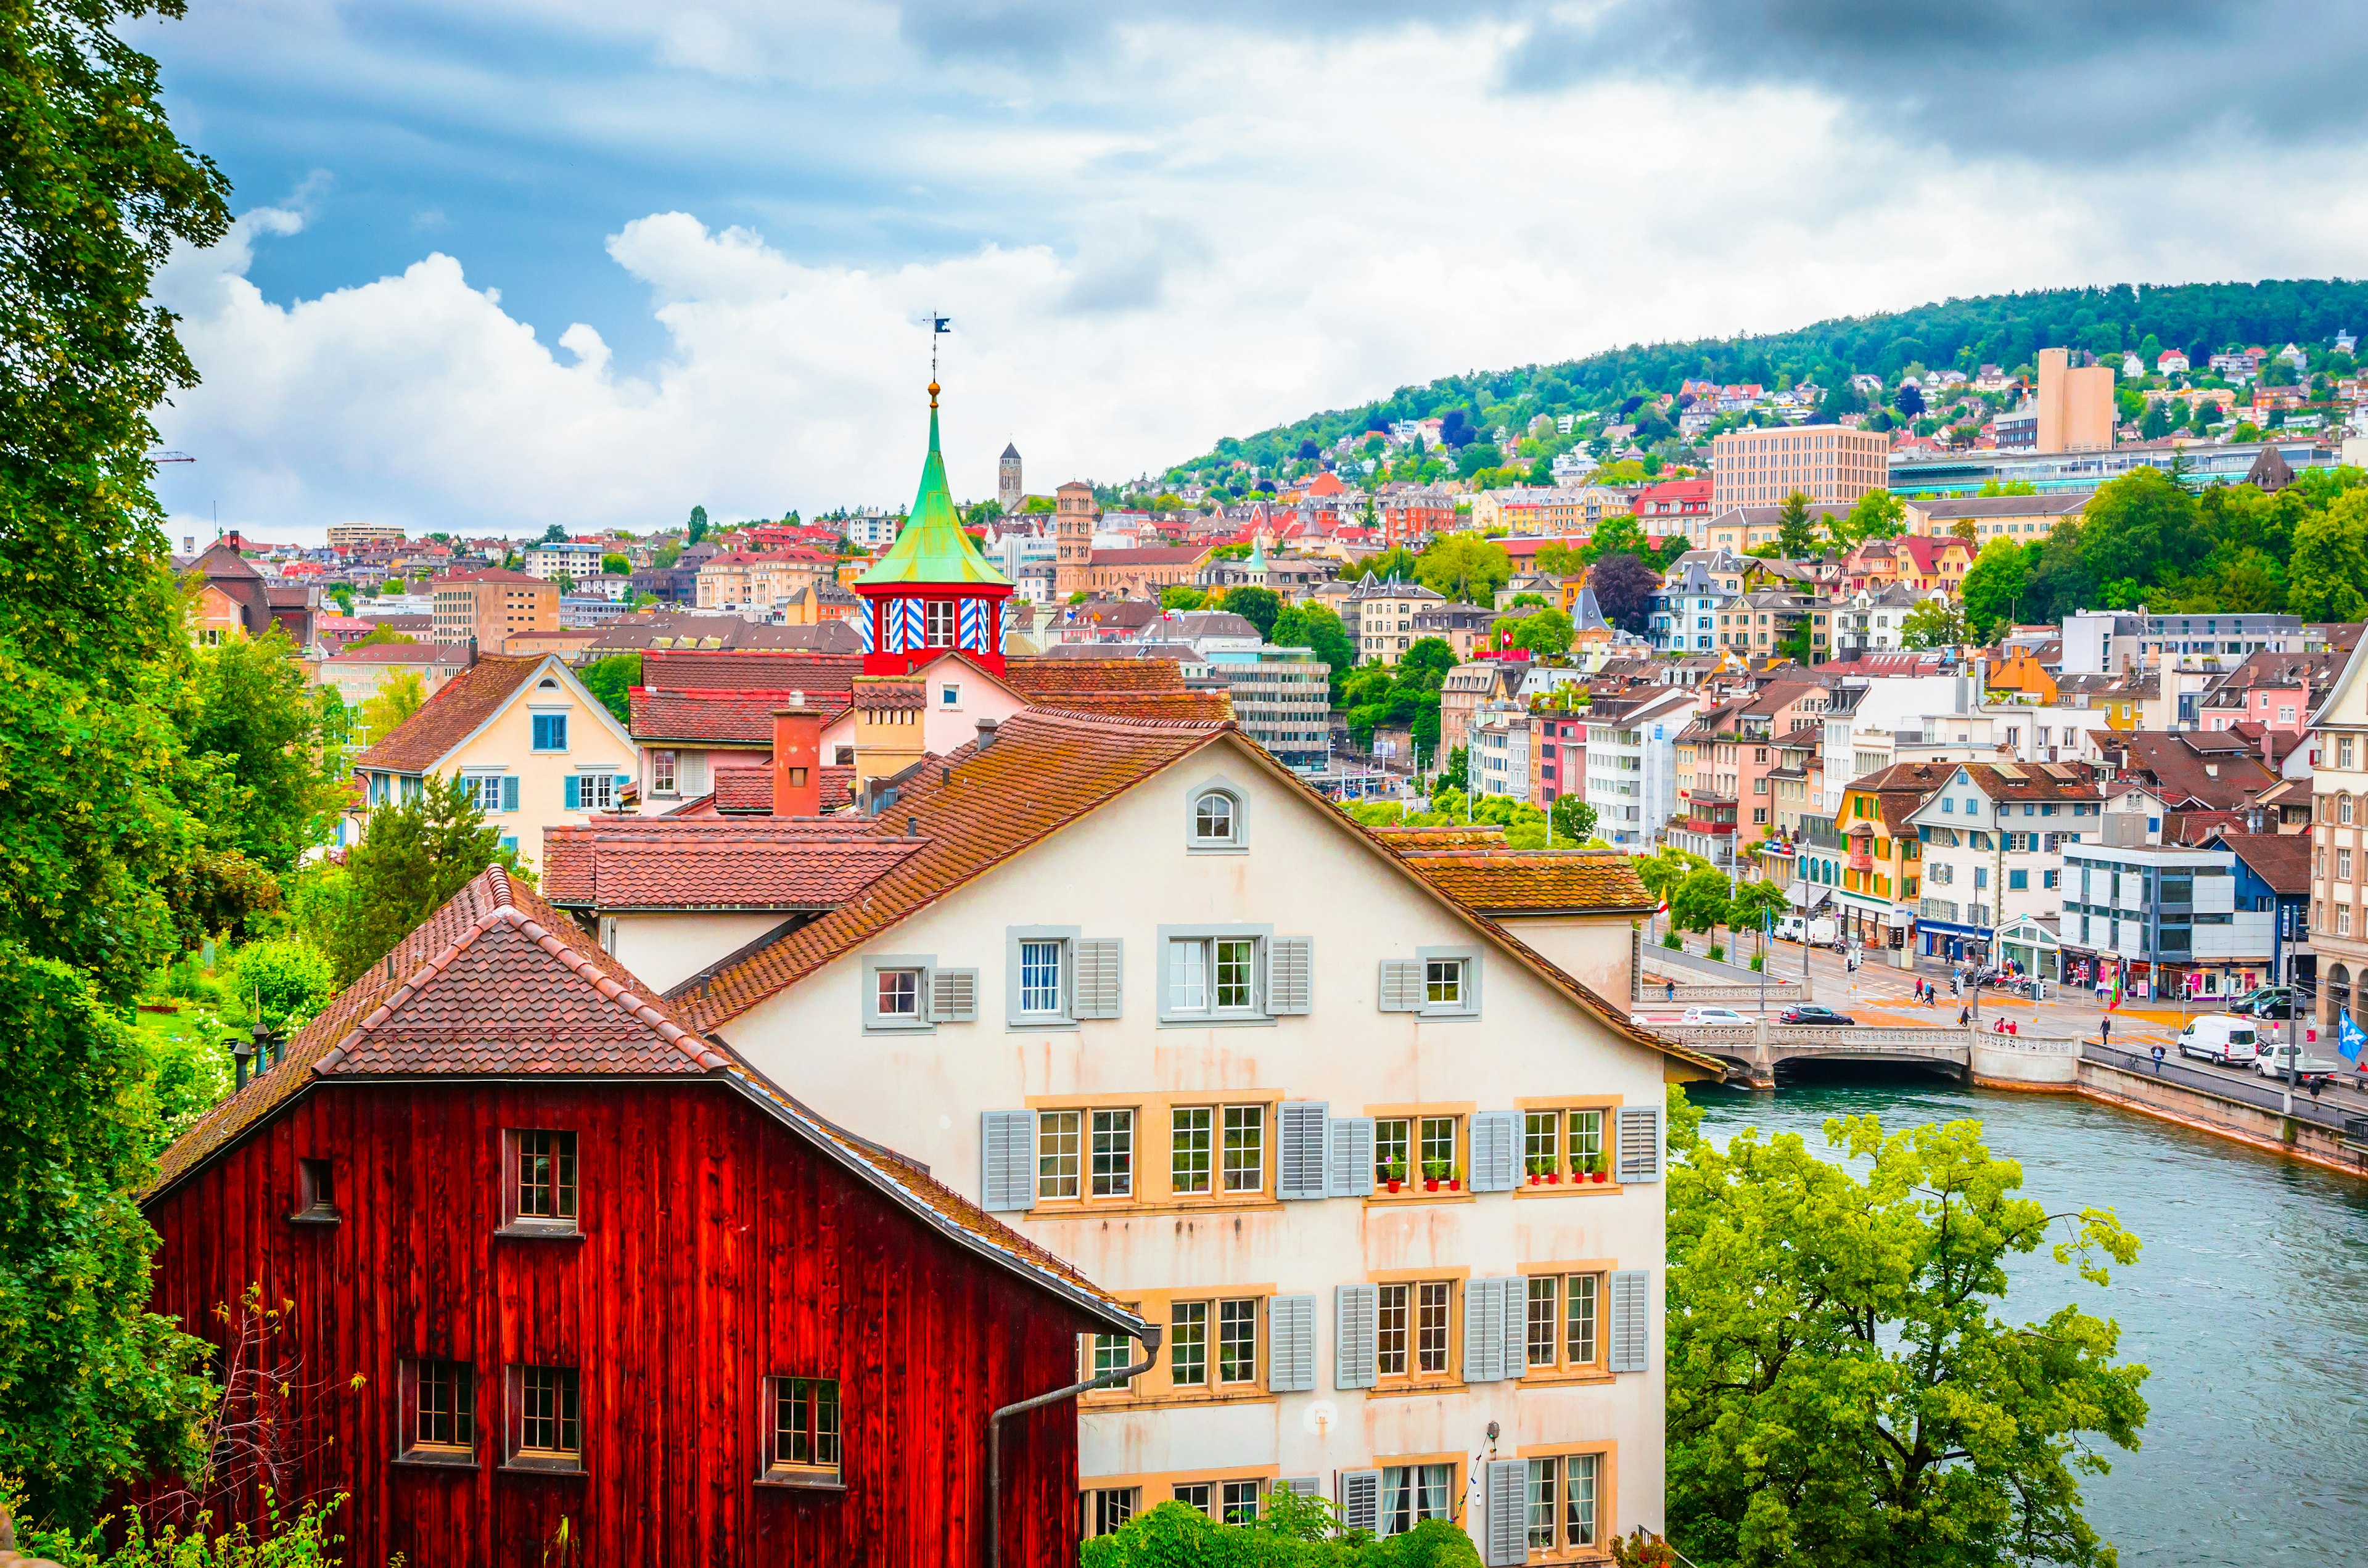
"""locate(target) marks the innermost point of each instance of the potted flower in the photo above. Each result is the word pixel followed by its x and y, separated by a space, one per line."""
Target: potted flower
pixel 1594 1169
pixel 1553 1175
pixel 1455 1178
pixel 1433 1173
pixel 1393 1174
pixel 1540 1169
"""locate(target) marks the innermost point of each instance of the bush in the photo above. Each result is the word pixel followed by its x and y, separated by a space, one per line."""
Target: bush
pixel 289 980
pixel 1672 940
pixel 300 1539
pixel 1717 953
pixel 1758 962
pixel 1291 1532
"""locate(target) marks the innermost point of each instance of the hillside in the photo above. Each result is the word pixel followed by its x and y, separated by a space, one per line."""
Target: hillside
pixel 2002 329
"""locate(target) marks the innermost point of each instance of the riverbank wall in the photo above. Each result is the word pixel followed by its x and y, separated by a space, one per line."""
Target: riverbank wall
pixel 2314 1134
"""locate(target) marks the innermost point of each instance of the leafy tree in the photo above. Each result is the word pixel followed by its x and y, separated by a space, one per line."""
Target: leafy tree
pixel 1182 595
pixel 1619 535
pixel 611 680
pixel 1994 584
pixel 1464 566
pixel 414 856
pixel 1842 1386
pixel 1426 663
pixel 1395 565
pixel 399 696
pixel 2059 581
pixel 1878 513
pixel 1574 819
pixel 343 597
pixel 1910 400
pixel 1933 623
pixel 697 527
pixel 283 983
pixel 1317 627
pixel 278 783
pixel 1700 902
pixel 2328 572
pixel 1753 905
pixel 1965 528
pixel 1624 588
pixel 617 565
pixel 383 636
pixel 1257 606
pixel 555 534
pixel 1795 533
pixel 2141 525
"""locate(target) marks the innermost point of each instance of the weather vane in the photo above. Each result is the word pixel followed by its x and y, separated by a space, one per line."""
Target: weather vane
pixel 938 327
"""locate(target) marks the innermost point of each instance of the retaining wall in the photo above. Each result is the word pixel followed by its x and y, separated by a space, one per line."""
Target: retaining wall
pixel 2313 1134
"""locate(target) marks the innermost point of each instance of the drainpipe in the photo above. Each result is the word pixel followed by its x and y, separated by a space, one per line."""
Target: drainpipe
pixel 1149 1338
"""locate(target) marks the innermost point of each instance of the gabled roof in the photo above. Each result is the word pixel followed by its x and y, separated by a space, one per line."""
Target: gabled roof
pixel 465 704
pixel 715 717
pixel 819 676
pixel 751 863
pixel 1533 882
pixel 497 985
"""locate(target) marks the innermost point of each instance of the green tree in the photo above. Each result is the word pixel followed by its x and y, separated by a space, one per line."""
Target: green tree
pixel 1259 606
pixel 1464 567
pixel 696 529
pixel 414 856
pixel 1994 584
pixel 398 697
pixel 2328 577
pixel 1182 595
pixel 1426 663
pixel 1878 515
pixel 1795 534
pixel 1317 628
pixel 383 636
pixel 278 784
pixel 556 534
pixel 1842 1386
pixel 1700 902
pixel 617 565
pixel 1754 905
pixel 1574 819
pixel 1933 623
pixel 611 680
pixel 1395 565
pixel 2142 526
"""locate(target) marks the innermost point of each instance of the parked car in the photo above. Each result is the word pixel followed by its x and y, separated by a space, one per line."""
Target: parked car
pixel 2220 1038
pixel 1810 1013
pixel 2265 1001
pixel 2273 1058
pixel 1712 1015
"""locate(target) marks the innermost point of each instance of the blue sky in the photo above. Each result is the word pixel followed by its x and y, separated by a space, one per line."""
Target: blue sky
pixel 519 262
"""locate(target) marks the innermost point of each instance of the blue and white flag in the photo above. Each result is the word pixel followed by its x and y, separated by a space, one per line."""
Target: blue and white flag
pixel 2349 1038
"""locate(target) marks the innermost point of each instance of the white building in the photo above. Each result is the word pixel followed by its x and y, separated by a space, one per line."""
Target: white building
pixel 1632 766
pixel 1499 750
pixel 564 559
pixel 873 531
pixel 1993 841
pixel 1866 721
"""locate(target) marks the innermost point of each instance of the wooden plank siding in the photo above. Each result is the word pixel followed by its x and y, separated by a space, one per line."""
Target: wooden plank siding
pixel 717 1248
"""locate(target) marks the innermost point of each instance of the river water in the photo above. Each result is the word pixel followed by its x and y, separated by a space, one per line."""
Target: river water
pixel 2249 1301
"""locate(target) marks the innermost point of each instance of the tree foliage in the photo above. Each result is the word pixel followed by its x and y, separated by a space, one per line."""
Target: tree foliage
pixel 414 856
pixel 1842 1385
pixel 1795 534
pixel 1994 585
pixel 1291 1531
pixel 277 781
pixel 1465 567
pixel 398 697
pixel 1936 623
pixel 612 680
pixel 1623 587
pixel 1259 606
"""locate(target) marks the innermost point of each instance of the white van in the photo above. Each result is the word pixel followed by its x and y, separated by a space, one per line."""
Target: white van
pixel 1817 932
pixel 2221 1037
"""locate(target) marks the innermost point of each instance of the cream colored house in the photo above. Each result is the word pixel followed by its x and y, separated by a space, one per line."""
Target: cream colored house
pixel 533 744
pixel 2338 835
pixel 1134 987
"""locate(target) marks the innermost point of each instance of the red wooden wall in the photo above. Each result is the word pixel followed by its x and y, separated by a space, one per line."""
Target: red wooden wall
pixel 719 1248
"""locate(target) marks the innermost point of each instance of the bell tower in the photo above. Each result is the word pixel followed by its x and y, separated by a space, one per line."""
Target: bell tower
pixel 1008 490
pixel 1074 518
pixel 932 592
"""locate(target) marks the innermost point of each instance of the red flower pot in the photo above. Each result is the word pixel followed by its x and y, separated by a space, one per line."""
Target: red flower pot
pixel 1553 1177
pixel 1597 1175
pixel 1392 1186
pixel 1455 1184
pixel 1535 1178
pixel 1428 1184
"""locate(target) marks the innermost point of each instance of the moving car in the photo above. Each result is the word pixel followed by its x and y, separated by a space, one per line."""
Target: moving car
pixel 2265 1001
pixel 2220 1038
pixel 1712 1015
pixel 1810 1013
pixel 2273 1058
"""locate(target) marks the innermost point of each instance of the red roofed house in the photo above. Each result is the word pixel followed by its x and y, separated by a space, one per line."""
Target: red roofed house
pixel 1656 505
pixel 560 1278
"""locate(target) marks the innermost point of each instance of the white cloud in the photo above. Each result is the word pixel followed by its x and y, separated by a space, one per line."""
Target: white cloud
pixel 1213 234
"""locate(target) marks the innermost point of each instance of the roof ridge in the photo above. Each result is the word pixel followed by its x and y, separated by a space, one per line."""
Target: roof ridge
pixel 1066 718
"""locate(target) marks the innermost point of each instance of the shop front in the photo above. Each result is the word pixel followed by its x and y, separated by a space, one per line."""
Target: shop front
pixel 2033 946
pixel 1954 943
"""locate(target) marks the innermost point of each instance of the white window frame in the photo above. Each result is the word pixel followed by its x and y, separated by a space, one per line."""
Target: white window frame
pixel 600 798
pixel 484 790
pixel 1063 1016
pixel 1234 843
pixel 1467 1004
pixel 923 967
pixel 665 773
pixel 1173 1014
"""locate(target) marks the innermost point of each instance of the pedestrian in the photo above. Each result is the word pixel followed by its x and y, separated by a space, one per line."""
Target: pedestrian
pixel 1964 1016
pixel 2013 1028
pixel 1931 997
pixel 1672 994
pixel 2105 1031
pixel 2157 1059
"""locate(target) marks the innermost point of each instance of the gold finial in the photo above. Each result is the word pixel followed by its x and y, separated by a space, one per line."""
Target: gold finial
pixel 933 394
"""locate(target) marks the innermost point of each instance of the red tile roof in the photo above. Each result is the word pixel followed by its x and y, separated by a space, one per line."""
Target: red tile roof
pixel 453 714
pixel 716 715
pixel 1038 678
pixel 748 791
pixel 702 863
pixel 1536 881
pixel 755 669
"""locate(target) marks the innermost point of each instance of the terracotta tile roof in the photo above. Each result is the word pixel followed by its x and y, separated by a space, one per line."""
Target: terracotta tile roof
pixel 401 653
pixel 881 694
pixel 1187 707
pixel 753 669
pixel 497 982
pixel 452 715
pixel 1040 680
pixel 1529 881
pixel 2281 859
pixel 1404 838
pixel 748 791
pixel 717 863
pixel 716 715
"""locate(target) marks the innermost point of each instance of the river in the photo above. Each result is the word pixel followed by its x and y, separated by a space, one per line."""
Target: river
pixel 2249 1301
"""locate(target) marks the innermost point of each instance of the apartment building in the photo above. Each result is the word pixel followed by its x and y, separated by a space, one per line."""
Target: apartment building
pixel 1992 840
pixel 1557 758
pixel 1831 464
pixel 1631 764
pixel 2174 920
pixel 1282 698
pixel 1500 756
pixel 490 606
pixel 348 536
pixel 2339 913
pixel 571 559
pixel 1378 616
pixel 2076 404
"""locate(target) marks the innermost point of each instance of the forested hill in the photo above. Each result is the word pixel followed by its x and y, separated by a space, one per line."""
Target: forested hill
pixel 2000 329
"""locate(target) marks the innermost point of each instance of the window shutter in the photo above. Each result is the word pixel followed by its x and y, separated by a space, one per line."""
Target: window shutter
pixel 1299 1163
pixel 1356 1323
pixel 953 997
pixel 1100 965
pixel 1291 976
pixel 1305 1485
pixel 509 792
pixel 1496 1151
pixel 1401 986
pixel 1290 1345
pixel 572 792
pixel 1351 1165
pixel 1361 1500
pixel 1640 1144
pixel 1007 1154
pixel 1508 1513
pixel 693 765
pixel 1483 1330
pixel 1631 1329
pixel 1517 1325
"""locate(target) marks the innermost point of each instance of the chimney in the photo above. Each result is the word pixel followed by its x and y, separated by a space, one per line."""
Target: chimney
pixel 797 759
pixel 986 731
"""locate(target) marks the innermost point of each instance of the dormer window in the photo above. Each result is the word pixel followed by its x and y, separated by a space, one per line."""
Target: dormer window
pixel 1216 820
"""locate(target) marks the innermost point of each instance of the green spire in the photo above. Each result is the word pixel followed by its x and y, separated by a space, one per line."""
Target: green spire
pixel 931 546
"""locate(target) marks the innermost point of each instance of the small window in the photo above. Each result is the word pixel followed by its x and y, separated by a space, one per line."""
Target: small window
pixel 1216 820
pixel 950 696
pixel 1563 1502
pixel 1109 1508
pixel 1195 1495
pixel 1562 1145
pixel 1111 1353
pixel 1040 977
pixel 1564 1311
pixel 551 732
pixel 804 1447
pixel 316 1193
pixel 665 773
pixel 1413 1493
pixel 439 1412
pixel 541 1181
pixel 898 994
pixel 483 790
pixel 546 1427
pixel 1211 975
pixel 1241 1503
pixel 1188 1345
pixel 1058 1147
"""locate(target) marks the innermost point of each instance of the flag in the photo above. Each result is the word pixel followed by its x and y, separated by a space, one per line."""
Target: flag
pixel 2349 1037
pixel 2117 989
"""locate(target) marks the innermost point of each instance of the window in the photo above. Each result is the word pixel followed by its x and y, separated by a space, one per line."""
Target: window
pixel 1110 1508
pixel 1211 975
pixel 316 1193
pixel 949 697
pixel 442 1420
pixel 542 1181
pixel 898 993
pixel 1562 1502
pixel 1113 1153
pixel 1058 1133
pixel 2343 750
pixel 1237 1340
pixel 805 1446
pixel 2017 879
pixel 2051 879
pixel 664 773
pixel 1443 981
pixel 2342 864
pixel 1391 1149
pixel 1564 1311
pixel 483 790
pixel 1112 1353
pixel 595 791
pixel 1189 1140
pixel 1241 1503
pixel 1040 977
pixel 1244 1167
pixel 1188 1345
pixel 547 1430
pixel 938 623
pixel 1216 820
pixel 1413 1493
pixel 1194 1494
pixel 551 732
pixel 1413 1321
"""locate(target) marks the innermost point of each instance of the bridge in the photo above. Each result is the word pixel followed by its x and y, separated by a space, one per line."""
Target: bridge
pixel 1753 1052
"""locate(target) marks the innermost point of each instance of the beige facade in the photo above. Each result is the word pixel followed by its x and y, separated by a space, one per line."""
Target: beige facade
pixel 756 583
pixel 2339 862
pixel 1831 464
pixel 489 607
pixel 2076 405
pixel 344 535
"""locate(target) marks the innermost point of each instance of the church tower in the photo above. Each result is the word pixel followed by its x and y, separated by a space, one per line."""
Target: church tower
pixel 1074 517
pixel 932 590
pixel 1009 492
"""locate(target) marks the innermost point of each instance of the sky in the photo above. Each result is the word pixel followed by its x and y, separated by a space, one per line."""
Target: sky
pixel 516 262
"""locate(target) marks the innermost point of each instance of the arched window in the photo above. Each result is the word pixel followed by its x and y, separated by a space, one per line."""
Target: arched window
pixel 1216 817
pixel 2342 808
pixel 2339 992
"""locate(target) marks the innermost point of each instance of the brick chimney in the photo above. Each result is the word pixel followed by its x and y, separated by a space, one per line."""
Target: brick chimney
pixel 797 759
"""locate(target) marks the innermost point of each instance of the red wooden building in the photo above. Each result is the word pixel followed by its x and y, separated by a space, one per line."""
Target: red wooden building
pixel 565 1281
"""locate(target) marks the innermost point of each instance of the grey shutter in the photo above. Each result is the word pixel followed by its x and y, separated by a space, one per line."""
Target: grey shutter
pixel 693 765
pixel 1632 1322
pixel 1351 1173
pixel 1007 1157
pixel 1496 1151
pixel 1401 986
pixel 953 997
pixel 1361 1500
pixel 1100 965
pixel 1291 976
pixel 1639 1132
pixel 1305 1485
pixel 1355 1323
pixel 1290 1345
pixel 1483 1330
pixel 1508 1513
pixel 1300 1157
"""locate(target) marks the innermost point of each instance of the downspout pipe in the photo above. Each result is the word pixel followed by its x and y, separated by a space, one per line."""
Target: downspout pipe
pixel 1148 1339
